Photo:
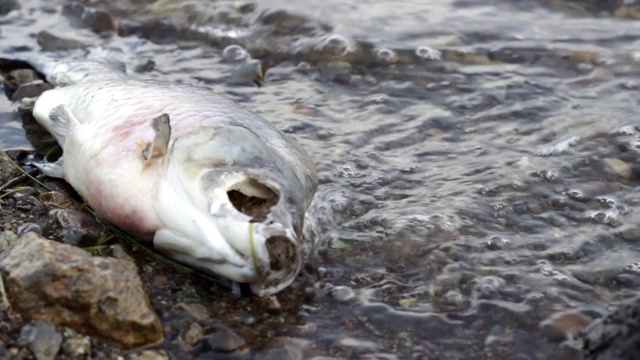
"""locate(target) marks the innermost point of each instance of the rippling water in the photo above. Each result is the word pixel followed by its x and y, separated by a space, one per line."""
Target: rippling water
pixel 478 159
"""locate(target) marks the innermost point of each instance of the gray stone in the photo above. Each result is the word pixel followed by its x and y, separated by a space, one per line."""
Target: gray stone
pixel 77 347
pixel 224 339
pixel 43 339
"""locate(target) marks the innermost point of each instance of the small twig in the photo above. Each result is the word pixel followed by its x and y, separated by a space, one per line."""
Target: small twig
pixel 18 179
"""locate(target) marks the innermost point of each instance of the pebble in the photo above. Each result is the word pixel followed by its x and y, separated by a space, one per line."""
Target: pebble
pixel 358 345
pixel 29 227
pixel 118 251
pixel 287 349
pixel 270 303
pixel 191 336
pixel 43 339
pixel 53 200
pixel 77 347
pixel 6 238
pixel 196 310
pixel 149 355
pixel 223 339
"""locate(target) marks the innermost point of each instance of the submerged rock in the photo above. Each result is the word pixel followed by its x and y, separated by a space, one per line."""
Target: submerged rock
pixel 51 42
pixel 64 284
pixel 223 339
pixel 616 336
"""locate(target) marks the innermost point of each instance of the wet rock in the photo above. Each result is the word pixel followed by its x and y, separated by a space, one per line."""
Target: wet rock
pixel 246 318
pixel 97 20
pixel 566 323
pixel 28 203
pixel 195 310
pixel 629 233
pixel 78 227
pixel 8 170
pixel 616 336
pixel 191 336
pixel 270 303
pixel 337 71
pixel 618 167
pixel 56 200
pixel 6 238
pixel 78 237
pixel 7 6
pixel 357 345
pixel 64 284
pixel 149 355
pixel 77 347
pixel 51 42
pixel 43 339
pixel 30 90
pixel 223 339
pixel 18 77
pixel 120 252
pixel 29 227
pixel 286 349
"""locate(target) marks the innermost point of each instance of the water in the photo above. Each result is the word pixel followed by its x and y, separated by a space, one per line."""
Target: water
pixel 478 159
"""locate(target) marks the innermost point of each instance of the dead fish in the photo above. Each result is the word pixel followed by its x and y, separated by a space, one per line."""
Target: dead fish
pixel 212 184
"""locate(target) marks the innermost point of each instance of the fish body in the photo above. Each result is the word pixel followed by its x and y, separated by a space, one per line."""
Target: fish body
pixel 224 191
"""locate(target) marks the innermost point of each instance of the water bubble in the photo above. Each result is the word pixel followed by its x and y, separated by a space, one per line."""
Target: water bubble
pixel 453 300
pixel 303 66
pixel 349 172
pixel 386 56
pixel 575 194
pixel 343 293
pixel 336 44
pixel 635 267
pixel 377 99
pixel 624 130
pixel 607 201
pixel 549 175
pixel 479 150
pixel 234 53
pixel 428 53
pixel 558 148
pixel 609 217
pixel 487 286
pixel 496 243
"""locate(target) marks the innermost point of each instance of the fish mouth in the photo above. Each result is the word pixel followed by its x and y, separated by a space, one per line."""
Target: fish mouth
pixel 282 268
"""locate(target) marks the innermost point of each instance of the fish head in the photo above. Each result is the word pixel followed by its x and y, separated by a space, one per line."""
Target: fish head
pixel 231 204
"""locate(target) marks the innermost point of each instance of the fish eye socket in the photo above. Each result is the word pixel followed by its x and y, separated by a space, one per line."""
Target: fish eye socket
pixel 253 198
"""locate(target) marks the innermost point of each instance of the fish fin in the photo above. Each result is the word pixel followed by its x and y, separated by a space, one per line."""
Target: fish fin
pixel 61 121
pixel 158 147
pixel 50 169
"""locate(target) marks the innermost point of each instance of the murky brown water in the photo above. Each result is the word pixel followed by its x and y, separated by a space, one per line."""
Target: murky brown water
pixel 478 159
